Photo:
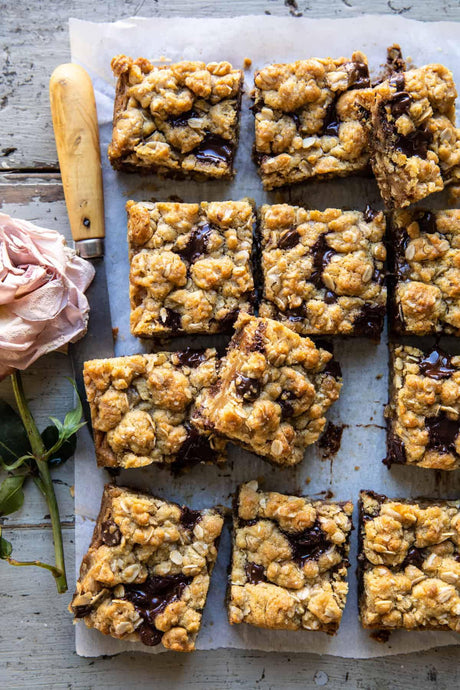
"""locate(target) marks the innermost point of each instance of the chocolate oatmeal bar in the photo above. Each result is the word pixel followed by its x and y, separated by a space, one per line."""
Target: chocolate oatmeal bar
pixel 272 392
pixel 306 120
pixel 141 404
pixel 175 119
pixel 191 268
pixel 289 562
pixel 409 574
pixel 146 574
pixel 415 146
pixel 323 271
pixel 423 415
pixel 426 269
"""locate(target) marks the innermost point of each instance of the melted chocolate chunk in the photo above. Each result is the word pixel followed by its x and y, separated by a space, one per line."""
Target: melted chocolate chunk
pixel 191 358
pixel 150 598
pixel 196 448
pixel 400 104
pixel 82 611
pixel 330 440
pixel 437 365
pixel 369 214
pixel 402 268
pixel 322 254
pixel 331 122
pixel 398 81
pixel 189 518
pixel 414 144
pixel 258 344
pixel 255 573
pixel 171 320
pixel 197 243
pixel 332 368
pixel 226 324
pixel 369 321
pixel 396 451
pixel 285 402
pixel 214 149
pixel 442 433
pixel 182 119
pixel 247 387
pixel 359 76
pixel 110 533
pixel 427 223
pixel 413 557
pixel 310 543
pixel 297 313
pixel 289 239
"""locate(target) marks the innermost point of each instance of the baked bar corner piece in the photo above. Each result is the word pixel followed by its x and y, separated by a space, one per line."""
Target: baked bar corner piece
pixel 306 120
pixel 146 574
pixel 141 407
pixel 273 390
pixel 415 145
pixel 323 271
pixel 409 563
pixel 190 266
pixel 289 561
pixel 426 268
pixel 178 120
pixel 423 414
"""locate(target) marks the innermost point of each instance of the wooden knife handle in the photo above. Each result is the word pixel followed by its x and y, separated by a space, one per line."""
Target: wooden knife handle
pixel 73 110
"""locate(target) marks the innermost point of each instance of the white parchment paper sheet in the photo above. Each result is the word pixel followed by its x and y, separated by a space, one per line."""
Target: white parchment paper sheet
pixel 358 463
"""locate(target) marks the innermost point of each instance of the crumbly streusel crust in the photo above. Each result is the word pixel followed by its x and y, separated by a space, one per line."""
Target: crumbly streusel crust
pixel 289 561
pixel 426 269
pixel 423 415
pixel 272 392
pixel 175 119
pixel 323 271
pixel 191 269
pixel 306 120
pixel 409 563
pixel 415 146
pixel 141 405
pixel 146 574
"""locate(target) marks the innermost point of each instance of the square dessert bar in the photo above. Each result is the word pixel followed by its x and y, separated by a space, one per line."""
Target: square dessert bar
pixel 323 271
pixel 141 404
pixel 415 146
pixel 409 563
pixel 272 391
pixel 175 119
pixel 306 120
pixel 423 415
pixel 425 262
pixel 146 574
pixel 289 562
pixel 191 269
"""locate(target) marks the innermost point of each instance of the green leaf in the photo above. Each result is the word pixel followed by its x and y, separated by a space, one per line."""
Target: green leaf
pixel 5 546
pixel 11 494
pixel 13 438
pixel 63 451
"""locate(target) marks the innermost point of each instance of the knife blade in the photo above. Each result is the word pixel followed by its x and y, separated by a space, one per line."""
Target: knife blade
pixel 73 110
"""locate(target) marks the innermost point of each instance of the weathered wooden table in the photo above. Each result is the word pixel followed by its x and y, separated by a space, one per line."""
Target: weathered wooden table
pixel 36 633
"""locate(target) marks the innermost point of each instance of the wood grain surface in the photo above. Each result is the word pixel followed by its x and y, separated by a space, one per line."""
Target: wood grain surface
pixel 36 633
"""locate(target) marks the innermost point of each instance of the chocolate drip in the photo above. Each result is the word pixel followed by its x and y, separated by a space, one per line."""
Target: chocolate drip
pixel 248 388
pixel 110 533
pixel 427 223
pixel 182 119
pixel 413 557
pixel 289 239
pixel 171 320
pixel 191 358
pixel 369 214
pixel 189 518
pixel 396 451
pixel 331 122
pixel 197 243
pixel 196 448
pixel 359 76
pixel 330 440
pixel 255 573
pixel 437 365
pixel 322 254
pixel 214 149
pixel 369 321
pixel 310 543
pixel 442 433
pixel 150 598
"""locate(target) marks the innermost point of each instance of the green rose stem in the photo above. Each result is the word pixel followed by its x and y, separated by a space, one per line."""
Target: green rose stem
pixel 45 484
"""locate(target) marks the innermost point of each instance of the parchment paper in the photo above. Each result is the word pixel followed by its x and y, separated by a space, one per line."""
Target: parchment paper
pixel 358 463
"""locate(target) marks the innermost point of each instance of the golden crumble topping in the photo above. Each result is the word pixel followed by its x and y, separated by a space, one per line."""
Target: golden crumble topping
pixel 323 270
pixel 289 561
pixel 180 119
pixel 141 404
pixel 272 392
pixel 191 268
pixel 146 574
pixel 409 563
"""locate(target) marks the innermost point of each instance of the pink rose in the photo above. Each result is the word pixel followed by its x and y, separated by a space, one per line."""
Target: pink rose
pixel 42 281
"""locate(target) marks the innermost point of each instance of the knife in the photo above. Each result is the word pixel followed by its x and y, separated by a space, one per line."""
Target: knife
pixel 73 110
